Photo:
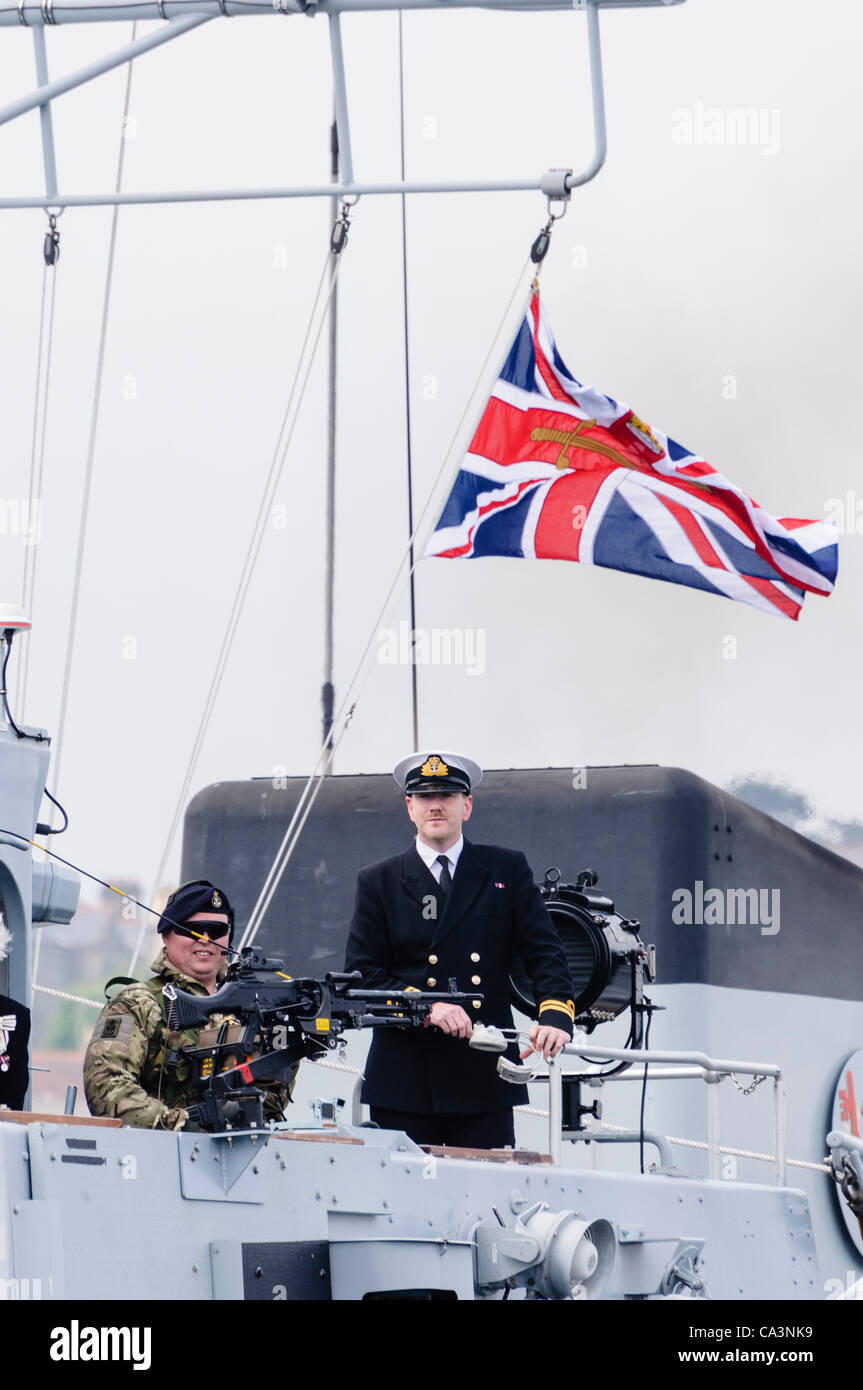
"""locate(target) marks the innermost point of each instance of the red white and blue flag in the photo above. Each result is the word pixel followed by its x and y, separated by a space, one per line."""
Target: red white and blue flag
pixel 559 471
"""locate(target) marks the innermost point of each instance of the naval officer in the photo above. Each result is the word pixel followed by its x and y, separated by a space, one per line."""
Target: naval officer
pixel 443 909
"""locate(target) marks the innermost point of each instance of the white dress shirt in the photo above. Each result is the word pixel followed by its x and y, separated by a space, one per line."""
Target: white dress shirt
pixel 429 856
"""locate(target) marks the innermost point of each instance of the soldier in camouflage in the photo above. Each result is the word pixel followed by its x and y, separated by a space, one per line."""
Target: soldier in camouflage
pixel 135 1068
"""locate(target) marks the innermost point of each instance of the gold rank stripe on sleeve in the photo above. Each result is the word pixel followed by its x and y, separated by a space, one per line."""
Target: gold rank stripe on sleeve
pixel 560 1006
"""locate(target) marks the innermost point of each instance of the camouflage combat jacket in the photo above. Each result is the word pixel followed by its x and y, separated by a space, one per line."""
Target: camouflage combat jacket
pixel 134 1068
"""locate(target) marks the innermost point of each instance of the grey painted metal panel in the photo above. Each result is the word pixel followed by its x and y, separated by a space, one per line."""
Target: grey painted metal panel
pixel 360 1268
pixel 25 767
pixel 226 1171
pixel 758 1240
pixel 37 1249
pixel 226 1269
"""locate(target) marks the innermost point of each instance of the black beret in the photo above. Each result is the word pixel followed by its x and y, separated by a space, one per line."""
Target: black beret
pixel 198 896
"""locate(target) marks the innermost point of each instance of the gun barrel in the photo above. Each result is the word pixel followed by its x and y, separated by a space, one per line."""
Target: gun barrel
pixel 389 1021
pixel 408 996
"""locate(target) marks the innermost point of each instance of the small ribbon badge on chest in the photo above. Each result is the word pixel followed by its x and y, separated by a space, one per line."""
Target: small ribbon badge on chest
pixel 8 1023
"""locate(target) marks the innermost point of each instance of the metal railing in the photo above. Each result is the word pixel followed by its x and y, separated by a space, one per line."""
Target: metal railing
pixel 183 15
pixel 686 1066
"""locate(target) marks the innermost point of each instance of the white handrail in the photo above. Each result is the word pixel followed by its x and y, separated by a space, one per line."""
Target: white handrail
pixel 689 1066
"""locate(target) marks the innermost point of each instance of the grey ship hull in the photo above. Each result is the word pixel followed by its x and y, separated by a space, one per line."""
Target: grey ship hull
pixel 364 1213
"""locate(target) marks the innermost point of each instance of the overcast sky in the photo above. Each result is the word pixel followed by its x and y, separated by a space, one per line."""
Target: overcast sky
pixel 711 284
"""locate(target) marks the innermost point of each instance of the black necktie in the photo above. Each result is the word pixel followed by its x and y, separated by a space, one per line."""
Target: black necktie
pixel 445 881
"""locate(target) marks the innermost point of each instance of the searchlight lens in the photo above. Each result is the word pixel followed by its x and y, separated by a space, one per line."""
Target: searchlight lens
pixel 603 951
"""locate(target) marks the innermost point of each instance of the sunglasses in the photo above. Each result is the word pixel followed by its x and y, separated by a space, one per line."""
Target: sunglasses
pixel 214 930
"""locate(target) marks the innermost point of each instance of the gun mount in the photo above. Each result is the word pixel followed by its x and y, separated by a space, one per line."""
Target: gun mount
pixel 267 1022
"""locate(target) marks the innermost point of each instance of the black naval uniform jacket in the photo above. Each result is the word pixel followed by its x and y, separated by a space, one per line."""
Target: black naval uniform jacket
pixel 16 1078
pixel 402 936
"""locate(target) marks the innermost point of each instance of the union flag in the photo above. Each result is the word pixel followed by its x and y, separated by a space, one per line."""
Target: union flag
pixel 559 471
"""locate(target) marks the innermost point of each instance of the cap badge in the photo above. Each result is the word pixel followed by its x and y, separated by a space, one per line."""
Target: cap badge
pixel 216 899
pixel 434 767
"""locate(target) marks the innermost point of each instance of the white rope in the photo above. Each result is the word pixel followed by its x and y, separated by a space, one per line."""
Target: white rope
pixel 335 1066
pixel 743 1153
pixel 695 1143
pixel 75 998
pixel 364 665
pixel 41 397
pixel 306 359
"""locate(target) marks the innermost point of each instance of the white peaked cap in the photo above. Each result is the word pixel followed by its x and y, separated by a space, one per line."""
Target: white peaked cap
pixel 437 767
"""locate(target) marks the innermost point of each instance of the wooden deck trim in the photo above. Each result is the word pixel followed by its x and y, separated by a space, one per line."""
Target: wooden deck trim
pixel 312 1136
pixel 524 1156
pixel 34 1117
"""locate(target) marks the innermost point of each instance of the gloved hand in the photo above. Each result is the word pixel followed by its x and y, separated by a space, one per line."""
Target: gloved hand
pixel 177 1119
pixel 193 1118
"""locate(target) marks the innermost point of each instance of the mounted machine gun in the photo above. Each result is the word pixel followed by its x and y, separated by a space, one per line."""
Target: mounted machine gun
pixel 268 1022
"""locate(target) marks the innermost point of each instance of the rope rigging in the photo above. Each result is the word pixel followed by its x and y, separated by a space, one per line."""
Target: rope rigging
pixel 364 665
pixel 391 602
pixel 41 397
pixel 326 287
pixel 51 252
pixel 127 898
pixel 59 745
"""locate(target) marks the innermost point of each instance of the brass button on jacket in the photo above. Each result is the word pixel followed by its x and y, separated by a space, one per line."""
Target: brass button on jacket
pixel 432 960
pixel 431 981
